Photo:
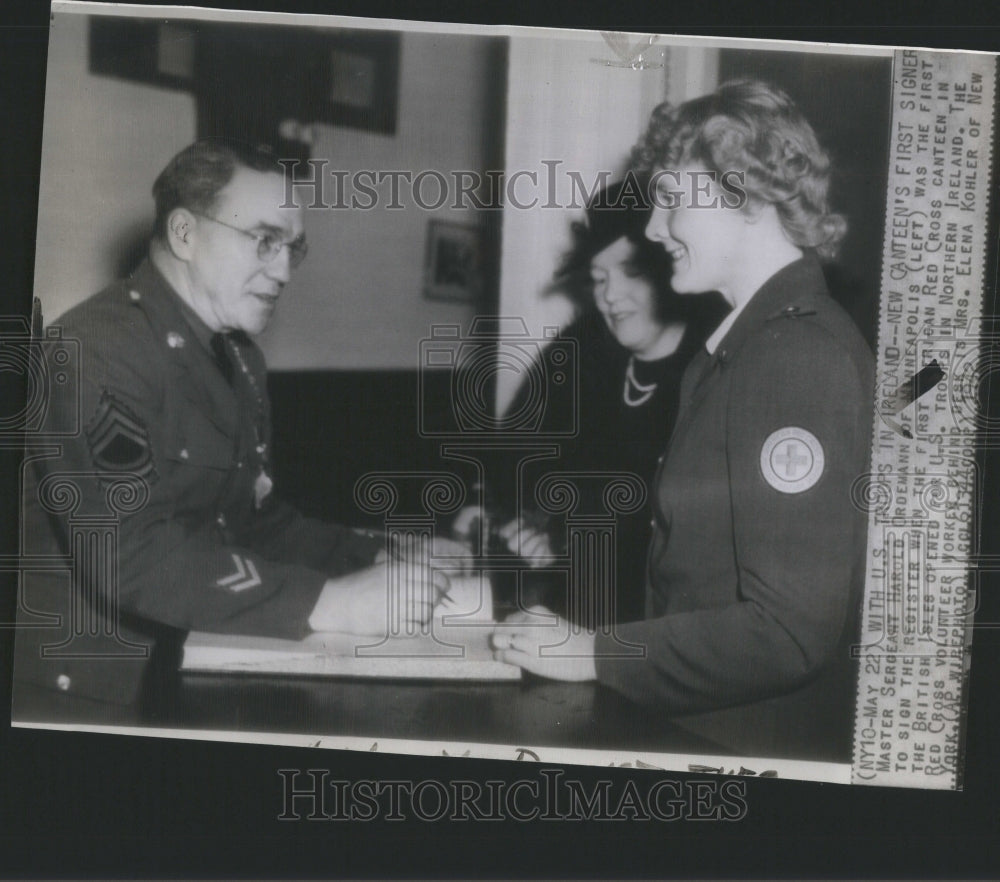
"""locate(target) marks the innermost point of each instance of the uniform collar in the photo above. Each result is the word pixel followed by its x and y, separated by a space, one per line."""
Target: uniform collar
pixel 187 339
pixel 166 308
pixel 712 343
pixel 779 295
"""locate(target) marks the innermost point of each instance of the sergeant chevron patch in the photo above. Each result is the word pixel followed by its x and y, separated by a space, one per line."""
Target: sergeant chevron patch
pixel 246 575
pixel 118 440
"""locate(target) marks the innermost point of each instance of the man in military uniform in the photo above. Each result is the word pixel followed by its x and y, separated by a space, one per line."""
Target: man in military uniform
pixel 163 502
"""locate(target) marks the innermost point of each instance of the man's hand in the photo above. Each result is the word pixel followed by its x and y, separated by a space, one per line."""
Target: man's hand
pixel 531 543
pixel 545 644
pixel 467 522
pixel 362 602
pixel 452 554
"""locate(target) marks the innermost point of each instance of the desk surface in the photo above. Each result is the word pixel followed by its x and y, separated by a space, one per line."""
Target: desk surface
pixel 532 712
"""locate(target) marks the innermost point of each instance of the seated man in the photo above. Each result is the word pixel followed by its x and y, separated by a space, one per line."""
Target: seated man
pixel 173 453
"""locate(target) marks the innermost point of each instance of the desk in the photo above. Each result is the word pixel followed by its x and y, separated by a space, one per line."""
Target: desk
pixel 530 713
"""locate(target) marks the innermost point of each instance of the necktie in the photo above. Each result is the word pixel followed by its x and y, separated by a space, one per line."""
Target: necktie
pixel 221 350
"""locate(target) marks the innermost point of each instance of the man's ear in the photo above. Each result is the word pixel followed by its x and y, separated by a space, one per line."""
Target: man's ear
pixel 181 233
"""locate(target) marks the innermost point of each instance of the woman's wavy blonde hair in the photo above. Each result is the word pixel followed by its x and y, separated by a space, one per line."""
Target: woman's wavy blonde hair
pixel 751 127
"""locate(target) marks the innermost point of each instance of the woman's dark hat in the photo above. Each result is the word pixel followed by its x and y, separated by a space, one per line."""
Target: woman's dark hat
pixel 621 209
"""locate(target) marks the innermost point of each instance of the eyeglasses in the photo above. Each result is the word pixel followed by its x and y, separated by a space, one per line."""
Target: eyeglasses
pixel 269 245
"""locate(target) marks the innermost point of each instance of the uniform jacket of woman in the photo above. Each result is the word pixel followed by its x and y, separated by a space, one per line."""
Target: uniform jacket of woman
pixel 756 564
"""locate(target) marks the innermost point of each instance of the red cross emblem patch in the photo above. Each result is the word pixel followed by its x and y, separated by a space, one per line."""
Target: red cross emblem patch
pixel 791 459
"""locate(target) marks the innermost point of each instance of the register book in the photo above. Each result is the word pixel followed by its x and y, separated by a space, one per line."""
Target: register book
pixel 455 646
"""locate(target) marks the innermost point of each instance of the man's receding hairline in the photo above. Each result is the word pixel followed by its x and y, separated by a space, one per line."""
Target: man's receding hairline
pixel 238 167
pixel 222 194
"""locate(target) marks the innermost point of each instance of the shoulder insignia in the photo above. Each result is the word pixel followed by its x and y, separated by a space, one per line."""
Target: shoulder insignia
pixel 118 440
pixel 791 459
pixel 791 312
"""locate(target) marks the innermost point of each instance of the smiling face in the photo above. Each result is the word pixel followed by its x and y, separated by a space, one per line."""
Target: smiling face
pixel 626 298
pixel 229 283
pixel 706 239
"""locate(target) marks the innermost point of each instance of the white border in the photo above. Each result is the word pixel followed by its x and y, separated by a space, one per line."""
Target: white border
pixel 802 770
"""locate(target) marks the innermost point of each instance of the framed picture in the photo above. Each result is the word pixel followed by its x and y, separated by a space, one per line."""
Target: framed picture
pixel 452 270
pixel 362 80
pixel 159 53
pixel 247 78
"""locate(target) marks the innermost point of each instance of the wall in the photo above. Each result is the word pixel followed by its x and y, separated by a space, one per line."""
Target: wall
pixel 103 143
pixel 356 303
pixel 846 98
pixel 357 300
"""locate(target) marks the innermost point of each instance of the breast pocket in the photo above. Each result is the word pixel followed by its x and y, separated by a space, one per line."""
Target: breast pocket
pixel 196 441
pixel 200 458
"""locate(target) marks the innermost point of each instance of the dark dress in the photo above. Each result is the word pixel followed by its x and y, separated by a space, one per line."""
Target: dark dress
pixel 613 437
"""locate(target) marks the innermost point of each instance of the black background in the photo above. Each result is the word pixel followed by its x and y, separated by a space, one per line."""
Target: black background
pixel 100 806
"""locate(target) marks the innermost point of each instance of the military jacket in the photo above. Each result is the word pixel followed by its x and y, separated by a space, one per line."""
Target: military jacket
pixel 756 564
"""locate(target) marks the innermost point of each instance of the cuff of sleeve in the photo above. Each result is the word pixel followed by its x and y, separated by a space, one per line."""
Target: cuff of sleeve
pixel 285 614
pixel 369 542
pixel 356 553
pixel 624 675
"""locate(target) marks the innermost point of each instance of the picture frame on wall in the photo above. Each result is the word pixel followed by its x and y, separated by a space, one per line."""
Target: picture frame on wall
pixel 453 266
pixel 156 53
pixel 361 73
pixel 249 79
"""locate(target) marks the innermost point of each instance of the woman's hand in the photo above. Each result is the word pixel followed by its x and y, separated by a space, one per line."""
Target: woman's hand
pixel 545 644
pixel 466 524
pixel 531 543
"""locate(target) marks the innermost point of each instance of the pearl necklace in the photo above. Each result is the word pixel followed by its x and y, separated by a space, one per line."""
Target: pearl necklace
pixel 632 384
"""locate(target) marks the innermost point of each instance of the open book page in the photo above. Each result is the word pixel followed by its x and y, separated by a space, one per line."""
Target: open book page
pixel 453 646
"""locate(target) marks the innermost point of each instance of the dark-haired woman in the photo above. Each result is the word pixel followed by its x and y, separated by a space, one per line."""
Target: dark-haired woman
pixel 634 339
